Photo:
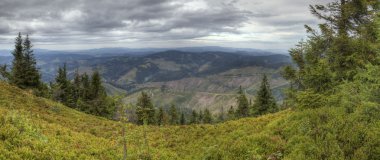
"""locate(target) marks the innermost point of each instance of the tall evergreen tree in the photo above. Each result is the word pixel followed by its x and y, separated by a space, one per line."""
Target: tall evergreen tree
pixel 200 117
pixel 207 118
pixel 18 64
pixel 97 89
pixel 160 116
pixel 85 83
pixel 173 115
pixel 145 110
pixel 264 100
pixel 243 105
pixel 344 45
pixel 62 86
pixel 32 75
pixel 194 117
pixel 182 120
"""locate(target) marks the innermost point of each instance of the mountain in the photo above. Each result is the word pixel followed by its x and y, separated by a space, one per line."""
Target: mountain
pixel 37 128
pixel 186 79
pixel 105 52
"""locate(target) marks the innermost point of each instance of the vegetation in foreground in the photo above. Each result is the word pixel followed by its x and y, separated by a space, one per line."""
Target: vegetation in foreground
pixel 335 91
pixel 36 128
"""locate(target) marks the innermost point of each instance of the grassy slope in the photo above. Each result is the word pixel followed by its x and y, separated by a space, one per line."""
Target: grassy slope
pixel 35 128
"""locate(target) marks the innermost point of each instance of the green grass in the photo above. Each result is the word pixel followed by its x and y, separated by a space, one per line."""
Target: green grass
pixel 36 128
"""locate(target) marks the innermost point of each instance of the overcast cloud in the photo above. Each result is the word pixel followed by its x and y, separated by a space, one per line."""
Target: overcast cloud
pixel 81 24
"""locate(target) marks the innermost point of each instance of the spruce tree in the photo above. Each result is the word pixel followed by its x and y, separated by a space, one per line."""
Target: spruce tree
pixel 62 86
pixel 243 105
pixel 194 117
pixel 182 120
pixel 85 90
pixel 207 118
pixel 264 100
pixel 173 115
pixel 96 89
pixel 160 116
pixel 145 110
pixel 32 75
pixel 100 104
pixel 76 89
pixel 200 117
pixel 18 64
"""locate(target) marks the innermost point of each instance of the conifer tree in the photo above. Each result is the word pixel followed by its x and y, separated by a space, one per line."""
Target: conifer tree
pixel 173 115
pixel 18 64
pixel 145 110
pixel 207 118
pixel 85 83
pixel 160 116
pixel 32 75
pixel 200 117
pixel 77 86
pixel 96 89
pixel 264 100
pixel 182 120
pixel 62 86
pixel 243 106
pixel 194 117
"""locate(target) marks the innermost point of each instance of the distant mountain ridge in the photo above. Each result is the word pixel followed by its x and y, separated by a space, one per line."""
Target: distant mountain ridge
pixel 144 51
pixel 187 79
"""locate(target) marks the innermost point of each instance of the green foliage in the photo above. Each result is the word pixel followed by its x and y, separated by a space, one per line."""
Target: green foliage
pixel 344 45
pixel 83 94
pixel 56 131
pixel 182 120
pixel 173 115
pixel 145 110
pixel 242 102
pixel 207 116
pixel 264 101
pixel 24 73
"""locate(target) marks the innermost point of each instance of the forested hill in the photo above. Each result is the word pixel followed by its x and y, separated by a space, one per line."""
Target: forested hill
pixel 36 128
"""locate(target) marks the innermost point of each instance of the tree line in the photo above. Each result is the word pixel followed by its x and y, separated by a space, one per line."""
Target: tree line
pixel 85 93
pixel 264 103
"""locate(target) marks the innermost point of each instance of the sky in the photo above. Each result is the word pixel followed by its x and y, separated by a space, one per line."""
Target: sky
pixel 86 24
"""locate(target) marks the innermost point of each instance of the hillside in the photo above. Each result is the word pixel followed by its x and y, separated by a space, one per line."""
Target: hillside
pixel 185 79
pixel 36 128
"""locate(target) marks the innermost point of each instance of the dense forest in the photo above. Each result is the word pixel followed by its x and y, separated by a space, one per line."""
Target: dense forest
pixel 331 109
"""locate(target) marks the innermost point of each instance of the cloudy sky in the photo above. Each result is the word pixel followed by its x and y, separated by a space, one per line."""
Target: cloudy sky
pixel 82 24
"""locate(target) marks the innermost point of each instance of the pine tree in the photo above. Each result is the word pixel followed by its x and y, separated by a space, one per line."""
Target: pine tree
pixel 264 101
pixel 207 118
pixel 243 106
pixel 173 115
pixel 62 88
pixel 18 64
pixel 32 75
pixel 96 89
pixel 85 90
pixel 160 116
pixel 77 88
pixel 182 120
pixel 145 110
pixel 194 117
pixel 200 117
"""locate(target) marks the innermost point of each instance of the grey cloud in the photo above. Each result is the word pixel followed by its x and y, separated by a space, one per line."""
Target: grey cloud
pixel 108 21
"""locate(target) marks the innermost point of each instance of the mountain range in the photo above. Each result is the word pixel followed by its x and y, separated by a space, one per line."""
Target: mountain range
pixel 192 78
